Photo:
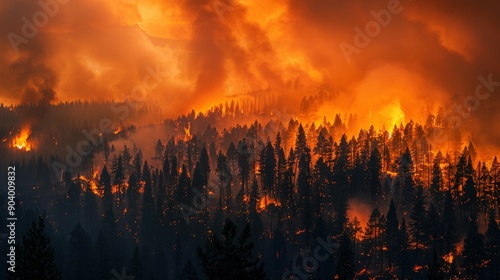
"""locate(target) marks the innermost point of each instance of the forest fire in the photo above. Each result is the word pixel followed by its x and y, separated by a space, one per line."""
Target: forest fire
pixel 449 257
pixel 21 141
pixel 417 268
pixel 118 130
pixel 218 139
pixel 267 201
pixel 93 185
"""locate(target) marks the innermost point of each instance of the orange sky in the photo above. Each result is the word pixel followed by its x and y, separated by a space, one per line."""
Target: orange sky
pixel 430 53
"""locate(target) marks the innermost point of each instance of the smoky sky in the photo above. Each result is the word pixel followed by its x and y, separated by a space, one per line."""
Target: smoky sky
pixel 430 54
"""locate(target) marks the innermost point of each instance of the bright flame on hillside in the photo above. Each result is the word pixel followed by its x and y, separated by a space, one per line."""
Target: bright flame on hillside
pixel 118 130
pixel 267 201
pixel 187 133
pixel 93 185
pixel 448 257
pixel 21 141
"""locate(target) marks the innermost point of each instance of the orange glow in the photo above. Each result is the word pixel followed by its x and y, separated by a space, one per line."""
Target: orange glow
pixel 449 257
pixel 118 130
pixel 267 201
pixel 187 133
pixel 21 141
pixel 460 247
pixel 393 114
pixel 361 211
pixel 417 268
pixel 93 185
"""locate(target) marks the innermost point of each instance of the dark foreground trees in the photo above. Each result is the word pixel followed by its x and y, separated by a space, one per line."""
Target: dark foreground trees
pixel 230 256
pixel 36 255
pixel 345 265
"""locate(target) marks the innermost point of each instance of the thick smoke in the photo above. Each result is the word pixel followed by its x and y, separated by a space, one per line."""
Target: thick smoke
pixel 429 53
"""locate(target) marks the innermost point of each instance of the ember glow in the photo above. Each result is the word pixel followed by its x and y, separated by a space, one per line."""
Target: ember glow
pixel 93 185
pixel 449 257
pixel 267 201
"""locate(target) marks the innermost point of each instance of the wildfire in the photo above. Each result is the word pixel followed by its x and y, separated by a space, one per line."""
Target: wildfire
pixel 448 257
pixel 21 141
pixel 93 185
pixel 394 113
pixel 460 247
pixel 187 133
pixel 118 130
pixel 267 201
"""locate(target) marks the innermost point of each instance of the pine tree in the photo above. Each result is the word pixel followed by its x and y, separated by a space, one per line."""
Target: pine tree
pixel 119 177
pixel 437 182
pixel 135 267
pixel 435 271
pixel 432 229
pixel 204 166
pixel 340 220
pixel 102 258
pixel 405 173
pixel 132 192
pixel 90 209
pixel 301 142
pixel 417 219
pixel 404 241
pixel 469 197
pixel 244 163
pixel 340 175
pixel 105 182
pixel 449 224
pixel 374 169
pixel 184 192
pixel 268 169
pixel 392 233
pixel 148 209
pixel 345 264
pixel 223 172
pixel 80 253
pixel 138 164
pixel 473 250
pixel 35 257
pixel 492 246
pixel 254 197
pixel 304 190
pixel 188 272
pixel 374 235
pixel 230 257
pixel 126 159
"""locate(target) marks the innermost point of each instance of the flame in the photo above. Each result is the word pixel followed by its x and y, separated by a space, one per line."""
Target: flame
pixel 118 130
pixel 417 268
pixel 460 247
pixel 267 201
pixel 93 185
pixel 449 257
pixel 392 114
pixel 21 141
pixel 187 133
